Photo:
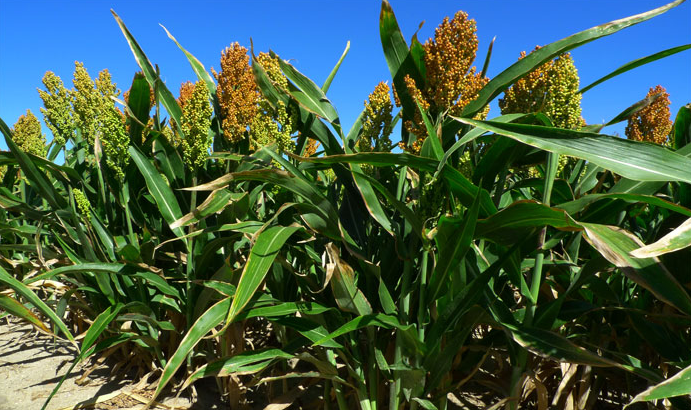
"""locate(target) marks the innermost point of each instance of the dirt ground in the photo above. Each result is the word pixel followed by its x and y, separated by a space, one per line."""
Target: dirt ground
pixel 31 364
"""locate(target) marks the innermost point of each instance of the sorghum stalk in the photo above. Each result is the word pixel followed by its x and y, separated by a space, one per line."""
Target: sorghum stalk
pixel 536 280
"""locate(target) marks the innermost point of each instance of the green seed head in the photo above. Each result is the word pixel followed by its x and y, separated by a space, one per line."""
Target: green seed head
pixel 28 136
pixel 82 203
pixel 551 89
pixel 57 108
pixel 86 102
pixel 272 127
pixel 114 139
pixel 196 120
pixel 376 124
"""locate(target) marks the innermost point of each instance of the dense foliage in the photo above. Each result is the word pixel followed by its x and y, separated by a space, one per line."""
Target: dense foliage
pixel 240 232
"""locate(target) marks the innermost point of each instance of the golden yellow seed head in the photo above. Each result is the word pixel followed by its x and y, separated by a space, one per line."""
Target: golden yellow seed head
pixel 237 92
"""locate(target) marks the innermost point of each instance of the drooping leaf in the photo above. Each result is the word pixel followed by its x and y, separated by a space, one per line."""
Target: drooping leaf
pixel 677 385
pixel 632 159
pixel 215 202
pixel 12 306
pixel 32 298
pixel 551 345
pixel 615 244
pixel 679 238
pixel 519 219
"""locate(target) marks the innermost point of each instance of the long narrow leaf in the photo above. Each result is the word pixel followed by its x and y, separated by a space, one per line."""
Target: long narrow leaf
pixel 637 63
pixel 535 59
pixel 207 321
pixel 163 195
pixel 32 298
pixel 162 92
pixel 679 238
pixel 262 255
pixel 615 244
pixel 677 385
pixel 632 159
pixel 331 76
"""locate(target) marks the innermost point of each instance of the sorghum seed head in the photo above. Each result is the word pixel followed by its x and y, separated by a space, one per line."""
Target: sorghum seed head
pixel 552 89
pixel 57 108
pixel 82 203
pixel 28 136
pixel 196 120
pixel 237 92
pixel 376 124
pixel 653 123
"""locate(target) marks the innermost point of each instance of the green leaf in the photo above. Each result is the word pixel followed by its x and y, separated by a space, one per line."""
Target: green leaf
pixel 95 330
pixel 554 346
pixel 573 207
pixel 454 236
pixel 637 63
pixel 615 244
pixel 207 321
pixel 237 364
pixel 432 136
pixel 10 305
pixel 632 159
pixel 682 128
pixel 197 66
pixel 469 136
pixel 32 298
pixel 262 255
pixel 139 105
pixel 310 96
pixel 378 320
pixel 163 195
pixel 485 66
pixel 407 213
pixel 460 186
pixel 78 268
pixel 535 59
pixel 679 238
pixel 214 203
pixel 425 404
pixel 394 45
pixel 331 76
pixel 35 177
pixel 677 385
pixel 515 222
pixel 164 95
pixel 283 179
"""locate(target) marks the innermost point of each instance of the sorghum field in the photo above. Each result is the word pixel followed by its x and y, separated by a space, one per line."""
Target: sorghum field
pixel 240 233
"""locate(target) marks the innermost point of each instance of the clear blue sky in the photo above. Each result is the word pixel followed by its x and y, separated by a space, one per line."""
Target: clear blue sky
pixel 36 36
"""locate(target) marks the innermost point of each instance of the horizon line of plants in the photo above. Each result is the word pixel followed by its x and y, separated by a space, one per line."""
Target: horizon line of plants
pixel 240 232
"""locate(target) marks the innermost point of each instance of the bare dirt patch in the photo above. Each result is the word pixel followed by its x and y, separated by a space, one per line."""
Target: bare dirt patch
pixel 31 365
